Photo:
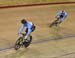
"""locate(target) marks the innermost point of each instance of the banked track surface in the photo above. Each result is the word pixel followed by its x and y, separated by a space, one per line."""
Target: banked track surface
pixel 40 4
pixel 46 40
pixel 42 41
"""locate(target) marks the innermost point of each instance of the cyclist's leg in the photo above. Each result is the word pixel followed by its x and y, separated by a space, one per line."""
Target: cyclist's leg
pixel 26 30
pixel 61 20
pixel 25 34
pixel 33 28
pixel 53 23
pixel 26 39
pixel 56 22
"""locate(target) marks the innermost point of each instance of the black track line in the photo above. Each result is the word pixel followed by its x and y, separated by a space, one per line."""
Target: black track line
pixel 38 4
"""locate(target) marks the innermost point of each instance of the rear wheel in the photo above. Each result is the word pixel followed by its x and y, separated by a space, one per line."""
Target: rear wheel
pixel 27 41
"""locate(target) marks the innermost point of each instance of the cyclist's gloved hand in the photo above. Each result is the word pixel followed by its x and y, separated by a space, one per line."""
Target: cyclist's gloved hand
pixel 19 35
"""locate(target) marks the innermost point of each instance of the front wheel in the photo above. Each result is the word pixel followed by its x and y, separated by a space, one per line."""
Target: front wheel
pixel 55 23
pixel 18 43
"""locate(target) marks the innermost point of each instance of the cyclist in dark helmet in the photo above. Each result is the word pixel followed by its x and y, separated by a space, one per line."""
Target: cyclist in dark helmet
pixel 23 21
pixel 29 27
pixel 60 17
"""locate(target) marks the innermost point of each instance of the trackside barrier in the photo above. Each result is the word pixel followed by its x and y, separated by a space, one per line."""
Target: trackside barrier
pixel 39 4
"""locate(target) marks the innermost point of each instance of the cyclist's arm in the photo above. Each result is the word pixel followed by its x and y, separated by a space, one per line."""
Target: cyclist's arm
pixel 21 29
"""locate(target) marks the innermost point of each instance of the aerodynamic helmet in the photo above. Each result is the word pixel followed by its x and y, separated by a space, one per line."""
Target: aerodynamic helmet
pixel 23 21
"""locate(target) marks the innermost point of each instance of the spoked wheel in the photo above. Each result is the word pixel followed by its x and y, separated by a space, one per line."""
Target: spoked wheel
pixel 27 41
pixel 18 43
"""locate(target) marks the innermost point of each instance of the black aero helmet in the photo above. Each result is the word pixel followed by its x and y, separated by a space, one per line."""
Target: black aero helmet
pixel 62 11
pixel 23 21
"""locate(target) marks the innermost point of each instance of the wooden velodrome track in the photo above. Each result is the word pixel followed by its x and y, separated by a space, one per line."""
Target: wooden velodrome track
pixel 56 42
